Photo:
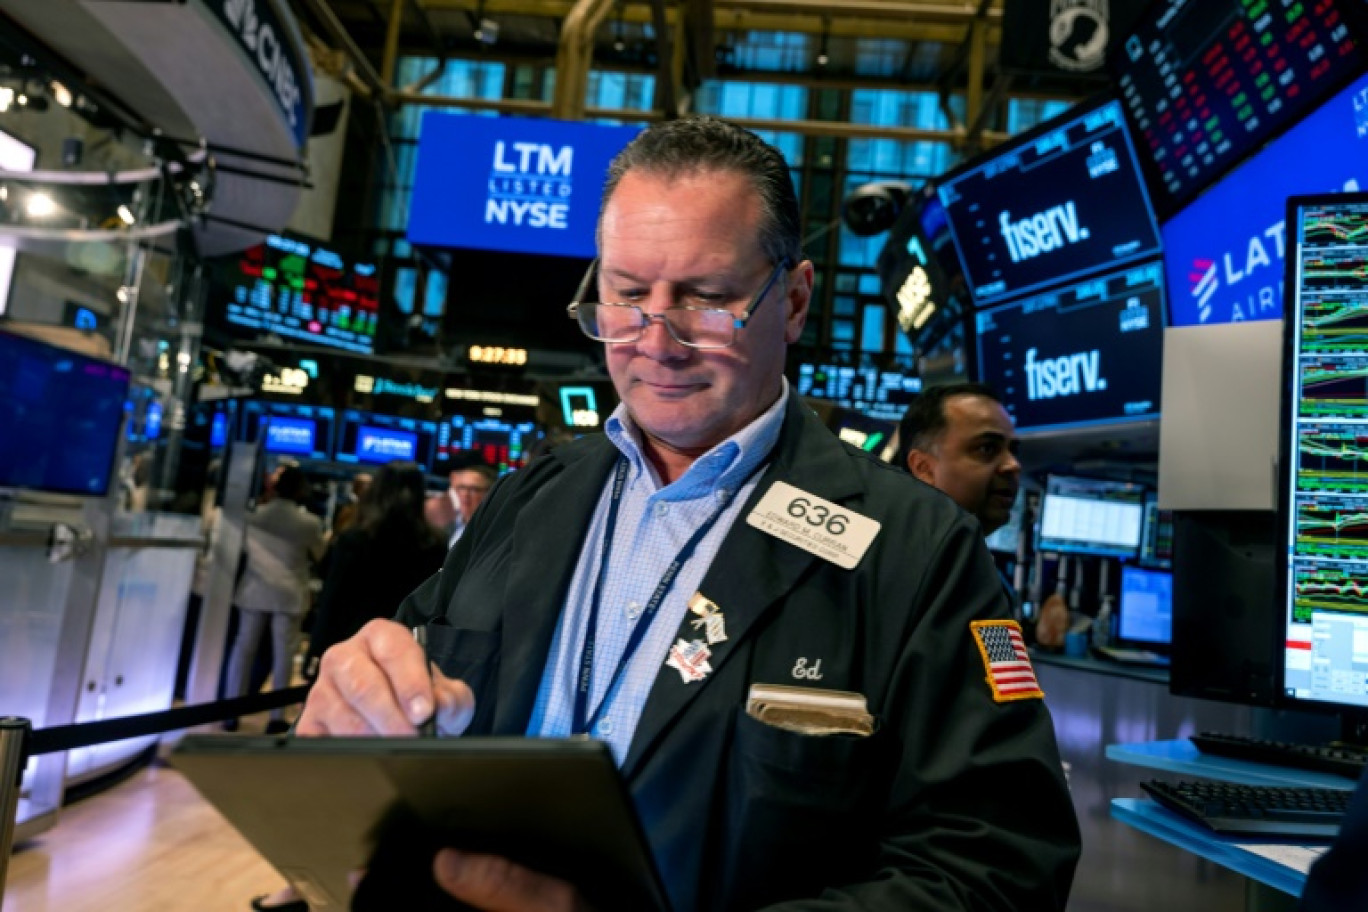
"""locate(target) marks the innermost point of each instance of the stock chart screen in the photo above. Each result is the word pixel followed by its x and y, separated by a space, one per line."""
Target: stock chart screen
pixel 1206 82
pixel 871 391
pixel 1325 484
pixel 501 444
pixel 303 293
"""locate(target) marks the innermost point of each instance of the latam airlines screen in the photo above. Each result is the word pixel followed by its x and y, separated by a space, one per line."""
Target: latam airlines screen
pixel 1051 206
pixel 1087 353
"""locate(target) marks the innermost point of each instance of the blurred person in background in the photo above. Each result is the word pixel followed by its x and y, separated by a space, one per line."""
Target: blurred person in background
pixel 386 553
pixel 450 511
pixel 282 539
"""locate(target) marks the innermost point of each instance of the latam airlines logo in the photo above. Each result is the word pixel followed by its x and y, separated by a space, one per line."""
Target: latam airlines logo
pixel 1040 233
pixel 530 185
pixel 1234 267
pixel 1067 375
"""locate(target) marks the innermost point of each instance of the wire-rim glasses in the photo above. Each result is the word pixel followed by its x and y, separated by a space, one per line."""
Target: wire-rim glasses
pixel 696 327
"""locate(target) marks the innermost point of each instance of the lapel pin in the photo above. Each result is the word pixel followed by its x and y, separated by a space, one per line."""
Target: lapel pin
pixel 709 618
pixel 690 659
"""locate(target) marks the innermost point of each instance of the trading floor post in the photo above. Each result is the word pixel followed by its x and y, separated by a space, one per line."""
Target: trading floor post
pixel 14 733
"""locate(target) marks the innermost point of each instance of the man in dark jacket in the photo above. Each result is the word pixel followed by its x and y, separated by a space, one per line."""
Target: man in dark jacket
pixel 641 586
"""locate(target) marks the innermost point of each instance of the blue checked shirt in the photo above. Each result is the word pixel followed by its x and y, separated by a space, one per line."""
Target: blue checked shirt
pixel 653 525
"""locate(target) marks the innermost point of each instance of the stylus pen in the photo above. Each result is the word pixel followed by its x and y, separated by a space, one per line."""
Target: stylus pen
pixel 428 727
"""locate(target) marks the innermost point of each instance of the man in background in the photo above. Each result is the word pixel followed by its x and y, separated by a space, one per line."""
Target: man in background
pixel 958 438
pixel 450 511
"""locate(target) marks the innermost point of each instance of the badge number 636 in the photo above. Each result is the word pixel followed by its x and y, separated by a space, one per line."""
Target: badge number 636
pixel 817 515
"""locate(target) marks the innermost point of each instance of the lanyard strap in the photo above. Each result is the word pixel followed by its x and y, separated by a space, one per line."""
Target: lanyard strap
pixel 582 721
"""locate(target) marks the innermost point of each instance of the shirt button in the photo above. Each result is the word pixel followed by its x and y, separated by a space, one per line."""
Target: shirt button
pixel 662 508
pixel 605 727
pixel 633 611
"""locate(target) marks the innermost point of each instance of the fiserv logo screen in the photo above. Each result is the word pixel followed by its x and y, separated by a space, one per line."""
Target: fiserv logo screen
pixel 1052 208
pixel 511 184
pixel 1089 353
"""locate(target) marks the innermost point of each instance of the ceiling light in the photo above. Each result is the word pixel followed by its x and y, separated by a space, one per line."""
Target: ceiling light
pixel 22 98
pixel 126 215
pixel 40 205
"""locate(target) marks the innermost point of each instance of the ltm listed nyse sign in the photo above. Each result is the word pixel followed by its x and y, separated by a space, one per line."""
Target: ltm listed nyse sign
pixel 530 185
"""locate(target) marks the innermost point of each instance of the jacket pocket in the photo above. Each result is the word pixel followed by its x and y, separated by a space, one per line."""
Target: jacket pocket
pixel 799 810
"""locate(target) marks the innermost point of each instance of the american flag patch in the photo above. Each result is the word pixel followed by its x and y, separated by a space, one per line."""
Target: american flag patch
pixel 1006 660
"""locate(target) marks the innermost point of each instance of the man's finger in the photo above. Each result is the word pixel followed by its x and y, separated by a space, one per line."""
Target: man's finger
pixel 495 884
pixel 455 704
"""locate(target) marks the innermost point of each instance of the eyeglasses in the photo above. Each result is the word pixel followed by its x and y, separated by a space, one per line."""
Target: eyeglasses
pixel 696 327
pixel 471 489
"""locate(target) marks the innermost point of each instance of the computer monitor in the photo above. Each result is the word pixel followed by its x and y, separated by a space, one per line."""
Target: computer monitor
pixel 290 429
pixel 880 393
pixel 1323 498
pixel 1086 354
pixel 1051 206
pixel 374 439
pixel 60 414
pixel 1091 516
pixel 1145 609
pixel 1156 541
pixel 1207 82
pixel 501 444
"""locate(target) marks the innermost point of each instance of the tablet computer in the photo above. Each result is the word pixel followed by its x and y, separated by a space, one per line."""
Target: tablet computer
pixel 322 809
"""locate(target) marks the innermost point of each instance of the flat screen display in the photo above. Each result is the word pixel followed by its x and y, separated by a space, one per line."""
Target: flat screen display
pixel 513 184
pixel 60 414
pixel 872 391
pixel 501 444
pixel 1051 206
pixel 1156 543
pixel 1224 253
pixel 304 431
pixel 1206 82
pixel 367 437
pixel 1323 503
pixel 1091 516
pixel 302 292
pixel 1146 607
pixel 1086 354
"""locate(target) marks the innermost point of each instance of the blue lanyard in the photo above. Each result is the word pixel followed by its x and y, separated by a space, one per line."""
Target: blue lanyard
pixel 582 722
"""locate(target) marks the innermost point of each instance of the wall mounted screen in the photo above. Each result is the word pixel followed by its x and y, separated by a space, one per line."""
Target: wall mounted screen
pixel 1223 254
pixel 1086 354
pixel 501 444
pixel 513 184
pixel 1206 82
pixel 366 437
pixel 869 390
pixel 1146 607
pixel 1051 206
pixel 304 431
pixel 60 414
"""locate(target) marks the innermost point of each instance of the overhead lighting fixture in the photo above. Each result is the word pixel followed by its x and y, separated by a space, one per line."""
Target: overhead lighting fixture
pixel 60 93
pixel 40 205
pixel 823 58
pixel 126 215
pixel 6 98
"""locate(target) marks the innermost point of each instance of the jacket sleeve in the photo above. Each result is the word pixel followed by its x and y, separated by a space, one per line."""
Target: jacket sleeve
pixel 978 814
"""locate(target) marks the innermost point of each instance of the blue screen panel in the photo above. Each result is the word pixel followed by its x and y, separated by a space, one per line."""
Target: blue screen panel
pixel 511 184
pixel 375 444
pixel 1223 255
pixel 1146 606
pixel 294 436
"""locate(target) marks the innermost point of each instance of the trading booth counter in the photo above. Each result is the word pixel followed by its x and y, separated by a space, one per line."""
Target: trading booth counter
pixel 1095 704
pixel 90 630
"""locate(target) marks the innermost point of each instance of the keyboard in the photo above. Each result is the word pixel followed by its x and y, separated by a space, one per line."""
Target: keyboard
pixel 1300 814
pixel 1132 656
pixel 1342 760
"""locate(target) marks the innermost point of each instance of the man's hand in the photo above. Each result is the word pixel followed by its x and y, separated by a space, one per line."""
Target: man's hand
pixel 494 884
pixel 378 683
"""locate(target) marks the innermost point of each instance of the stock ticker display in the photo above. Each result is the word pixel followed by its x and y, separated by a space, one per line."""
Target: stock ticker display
pixel 871 391
pixel 1327 451
pixel 305 294
pixel 1208 81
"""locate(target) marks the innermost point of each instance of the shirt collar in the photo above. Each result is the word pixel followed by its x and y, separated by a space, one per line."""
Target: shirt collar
pixel 718 471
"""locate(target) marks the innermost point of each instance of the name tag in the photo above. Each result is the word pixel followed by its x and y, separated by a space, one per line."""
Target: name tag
pixel 828 530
